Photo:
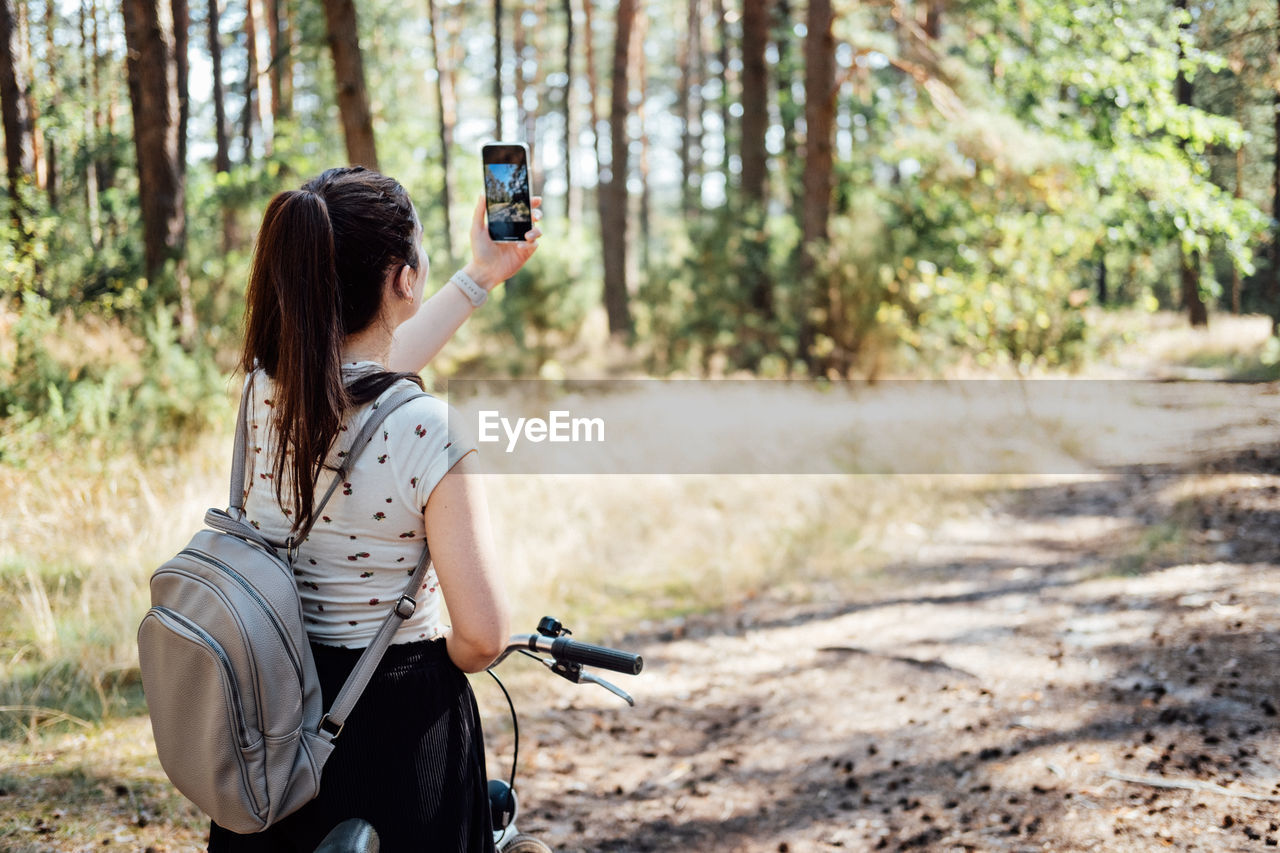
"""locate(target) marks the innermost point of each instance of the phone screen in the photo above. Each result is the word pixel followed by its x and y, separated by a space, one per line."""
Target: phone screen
pixel 506 190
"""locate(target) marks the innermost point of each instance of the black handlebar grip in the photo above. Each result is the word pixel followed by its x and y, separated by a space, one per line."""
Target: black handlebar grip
pixel 565 649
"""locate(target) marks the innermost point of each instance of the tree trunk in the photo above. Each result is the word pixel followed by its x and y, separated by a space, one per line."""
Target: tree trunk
pixel 89 51
pixel 788 109
pixel 521 82
pixel 722 59
pixel 613 192
pixel 1273 291
pixel 222 143
pixel 51 63
pixel 348 74
pixel 640 74
pixel 820 113
pixel 222 150
pixel 593 93
pixel 497 70
pixel 18 150
pixel 572 196
pixel 445 105
pixel 153 91
pixel 280 66
pixel 689 107
pixel 251 104
pixel 182 74
pixel 1189 275
pixel 756 18
pixel 932 22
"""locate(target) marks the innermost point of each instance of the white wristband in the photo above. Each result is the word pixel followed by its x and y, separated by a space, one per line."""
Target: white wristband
pixel 467 285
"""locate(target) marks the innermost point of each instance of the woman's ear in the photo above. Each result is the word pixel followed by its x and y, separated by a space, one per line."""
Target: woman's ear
pixel 403 284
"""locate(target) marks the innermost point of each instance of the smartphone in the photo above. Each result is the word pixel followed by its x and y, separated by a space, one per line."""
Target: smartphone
pixel 506 190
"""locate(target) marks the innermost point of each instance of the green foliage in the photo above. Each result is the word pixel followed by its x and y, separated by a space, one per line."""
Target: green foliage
pixel 699 307
pixel 542 309
pixel 55 394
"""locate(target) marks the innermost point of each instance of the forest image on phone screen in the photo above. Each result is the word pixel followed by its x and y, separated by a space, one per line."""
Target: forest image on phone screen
pixel 506 187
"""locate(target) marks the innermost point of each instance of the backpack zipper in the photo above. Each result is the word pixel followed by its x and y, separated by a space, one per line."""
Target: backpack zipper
pixel 208 640
pixel 258 599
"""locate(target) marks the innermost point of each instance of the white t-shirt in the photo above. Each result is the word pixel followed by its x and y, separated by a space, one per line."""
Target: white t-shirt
pixel 356 560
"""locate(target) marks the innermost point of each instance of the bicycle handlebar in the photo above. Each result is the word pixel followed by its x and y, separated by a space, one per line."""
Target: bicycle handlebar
pixel 572 651
pixel 563 648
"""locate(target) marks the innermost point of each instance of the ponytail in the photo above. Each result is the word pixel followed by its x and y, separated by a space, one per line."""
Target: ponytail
pixel 294 331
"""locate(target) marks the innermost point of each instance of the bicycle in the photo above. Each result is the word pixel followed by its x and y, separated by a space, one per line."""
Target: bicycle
pixel 552 647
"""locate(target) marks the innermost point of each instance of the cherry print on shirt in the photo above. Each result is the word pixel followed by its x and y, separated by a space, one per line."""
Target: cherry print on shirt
pixel 373 601
pixel 326 519
pixel 366 574
pixel 346 488
pixel 408 534
pixel 311 585
pixel 413 483
pixel 382 460
pixel 419 431
pixel 311 561
pixel 379 516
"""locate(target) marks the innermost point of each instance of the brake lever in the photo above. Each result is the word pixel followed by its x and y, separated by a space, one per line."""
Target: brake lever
pixel 592 678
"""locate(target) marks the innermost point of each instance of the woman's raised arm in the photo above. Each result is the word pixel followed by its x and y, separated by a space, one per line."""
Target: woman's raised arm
pixel 422 336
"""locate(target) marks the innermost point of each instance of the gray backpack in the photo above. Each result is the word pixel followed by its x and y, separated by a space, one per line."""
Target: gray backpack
pixel 230 683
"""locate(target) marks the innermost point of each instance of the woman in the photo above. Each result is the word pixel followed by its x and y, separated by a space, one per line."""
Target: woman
pixel 336 321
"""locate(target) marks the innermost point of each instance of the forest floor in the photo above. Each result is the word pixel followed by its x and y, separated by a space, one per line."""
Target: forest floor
pixel 1083 662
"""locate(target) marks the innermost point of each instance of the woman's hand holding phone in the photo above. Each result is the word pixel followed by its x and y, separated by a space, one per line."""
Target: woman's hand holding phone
pixel 492 261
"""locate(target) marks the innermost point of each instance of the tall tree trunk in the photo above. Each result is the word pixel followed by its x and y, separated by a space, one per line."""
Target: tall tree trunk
pixel 348 74
pixel 222 149
pixel 1189 273
pixel 497 70
pixel 756 20
pixel 89 116
pixel 756 17
pixel 593 94
pixel 250 112
pixel 613 195
pixel 932 23
pixel 640 74
pixel 788 109
pixel 51 63
pixel 689 108
pixel 222 142
pixel 280 67
pixel 446 112
pixel 726 99
pixel 18 150
pixel 520 81
pixel 182 75
pixel 1273 291
pixel 820 113
pixel 153 91
pixel 572 196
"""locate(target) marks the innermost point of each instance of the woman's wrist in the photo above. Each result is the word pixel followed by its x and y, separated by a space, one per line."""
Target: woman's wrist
pixel 477 274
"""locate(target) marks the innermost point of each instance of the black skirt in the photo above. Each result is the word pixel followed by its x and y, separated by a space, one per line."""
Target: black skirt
pixel 410 761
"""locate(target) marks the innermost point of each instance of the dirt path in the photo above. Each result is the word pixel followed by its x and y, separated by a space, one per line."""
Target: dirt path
pixel 1091 664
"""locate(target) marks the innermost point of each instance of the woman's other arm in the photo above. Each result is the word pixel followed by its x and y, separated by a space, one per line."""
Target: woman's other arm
pixel 420 338
pixel 461 539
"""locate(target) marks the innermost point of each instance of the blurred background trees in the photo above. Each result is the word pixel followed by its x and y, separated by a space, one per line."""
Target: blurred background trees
pixel 787 187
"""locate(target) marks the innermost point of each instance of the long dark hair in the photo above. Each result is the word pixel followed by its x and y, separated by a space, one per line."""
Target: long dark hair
pixel 318 275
